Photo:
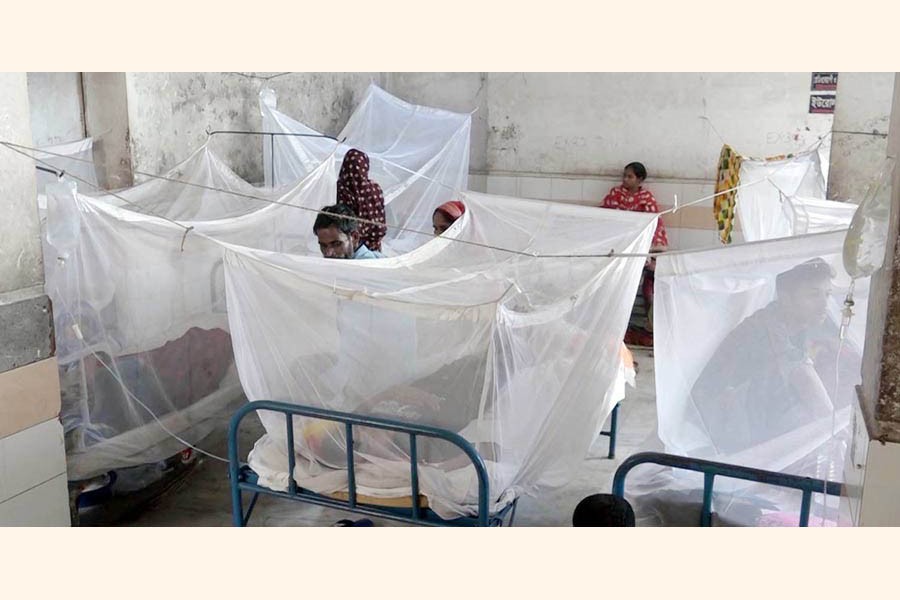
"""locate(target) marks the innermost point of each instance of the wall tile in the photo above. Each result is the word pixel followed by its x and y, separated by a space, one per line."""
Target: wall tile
pixel 566 189
pixel 501 185
pixel 538 188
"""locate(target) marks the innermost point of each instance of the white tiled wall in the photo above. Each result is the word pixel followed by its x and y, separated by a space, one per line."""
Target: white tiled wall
pixel 29 461
pixel 536 188
pixel 478 183
pixel 566 190
pixel 45 505
pixel 502 186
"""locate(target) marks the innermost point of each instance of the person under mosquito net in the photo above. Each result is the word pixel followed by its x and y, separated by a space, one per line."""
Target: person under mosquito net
pixel 364 196
pixel 762 381
pixel 338 232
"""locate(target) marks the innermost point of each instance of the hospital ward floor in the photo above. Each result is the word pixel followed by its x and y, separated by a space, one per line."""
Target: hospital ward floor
pixel 203 497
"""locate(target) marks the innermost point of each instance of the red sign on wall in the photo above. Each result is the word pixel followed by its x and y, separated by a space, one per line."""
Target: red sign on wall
pixel 822 103
pixel 824 82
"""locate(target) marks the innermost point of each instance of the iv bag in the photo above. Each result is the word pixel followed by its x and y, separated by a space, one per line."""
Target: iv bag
pixel 866 240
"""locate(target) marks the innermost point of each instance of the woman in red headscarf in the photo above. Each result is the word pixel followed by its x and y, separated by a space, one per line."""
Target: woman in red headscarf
pixel 364 196
pixel 446 215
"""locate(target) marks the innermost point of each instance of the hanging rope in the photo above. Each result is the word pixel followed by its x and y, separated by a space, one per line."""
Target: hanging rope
pixel 610 254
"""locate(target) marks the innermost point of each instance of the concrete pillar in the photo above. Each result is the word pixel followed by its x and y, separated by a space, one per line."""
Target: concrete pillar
pixel 32 453
pixel 873 485
pixel 859 138
pixel 106 120
pixel 55 104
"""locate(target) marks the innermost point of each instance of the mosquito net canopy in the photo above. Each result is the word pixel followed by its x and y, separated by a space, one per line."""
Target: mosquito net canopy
pixel 784 198
pixel 418 155
pixel 514 348
pixel 139 304
pixel 769 382
pixel 75 158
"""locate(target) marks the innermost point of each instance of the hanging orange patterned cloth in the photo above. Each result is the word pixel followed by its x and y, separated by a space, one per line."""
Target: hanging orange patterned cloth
pixel 727 178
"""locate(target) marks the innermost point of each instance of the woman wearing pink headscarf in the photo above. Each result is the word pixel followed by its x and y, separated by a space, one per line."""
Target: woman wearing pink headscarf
pixel 446 215
pixel 364 196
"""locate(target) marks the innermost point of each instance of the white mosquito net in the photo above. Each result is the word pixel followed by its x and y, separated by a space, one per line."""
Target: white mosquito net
pixel 201 188
pixel 513 351
pixel 418 155
pixel 769 382
pixel 75 158
pixel 140 324
pixel 761 207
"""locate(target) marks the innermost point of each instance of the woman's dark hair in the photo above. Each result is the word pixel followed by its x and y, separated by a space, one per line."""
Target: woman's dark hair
pixel 638 169
pixel 336 216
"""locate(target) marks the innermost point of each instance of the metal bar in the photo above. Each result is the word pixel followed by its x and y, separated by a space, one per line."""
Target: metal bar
pixel 250 508
pixel 237 510
pixel 613 430
pixel 360 508
pixel 49 170
pixel 351 474
pixel 272 158
pixel 711 469
pixel 804 508
pixel 272 133
pixel 414 475
pixel 350 419
pixel 706 515
pixel 787 480
pixel 873 133
pixel 292 484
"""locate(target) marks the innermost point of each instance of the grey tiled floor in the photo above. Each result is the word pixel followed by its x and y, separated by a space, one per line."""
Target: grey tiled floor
pixel 203 498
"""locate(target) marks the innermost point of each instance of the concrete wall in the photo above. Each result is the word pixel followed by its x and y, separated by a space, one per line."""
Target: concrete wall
pixel 880 397
pixel 859 143
pixel 558 136
pixel 32 459
pixel 594 123
pixel 106 121
pixel 20 247
pixel 872 486
pixel 56 107
pixel 566 137
pixel 169 113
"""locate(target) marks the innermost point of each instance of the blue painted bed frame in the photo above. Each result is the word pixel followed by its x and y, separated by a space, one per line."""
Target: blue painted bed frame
pixel 243 479
pixel 613 430
pixel 711 469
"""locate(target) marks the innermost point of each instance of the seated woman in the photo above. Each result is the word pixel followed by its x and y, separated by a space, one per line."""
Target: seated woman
pixel 446 215
pixel 631 195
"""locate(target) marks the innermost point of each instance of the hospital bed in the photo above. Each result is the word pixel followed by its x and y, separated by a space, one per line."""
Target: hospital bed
pixel 245 480
pixel 711 470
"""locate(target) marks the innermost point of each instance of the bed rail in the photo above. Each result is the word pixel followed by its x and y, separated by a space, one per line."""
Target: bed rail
pixel 243 479
pixel 711 470
pixel 613 430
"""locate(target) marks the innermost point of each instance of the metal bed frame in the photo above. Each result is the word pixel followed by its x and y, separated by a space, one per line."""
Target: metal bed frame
pixel 711 470
pixel 613 430
pixel 243 479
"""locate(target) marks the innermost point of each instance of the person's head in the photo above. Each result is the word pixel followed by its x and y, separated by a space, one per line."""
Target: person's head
pixel 603 510
pixel 336 229
pixel 803 292
pixel 633 176
pixel 355 166
pixel 446 214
